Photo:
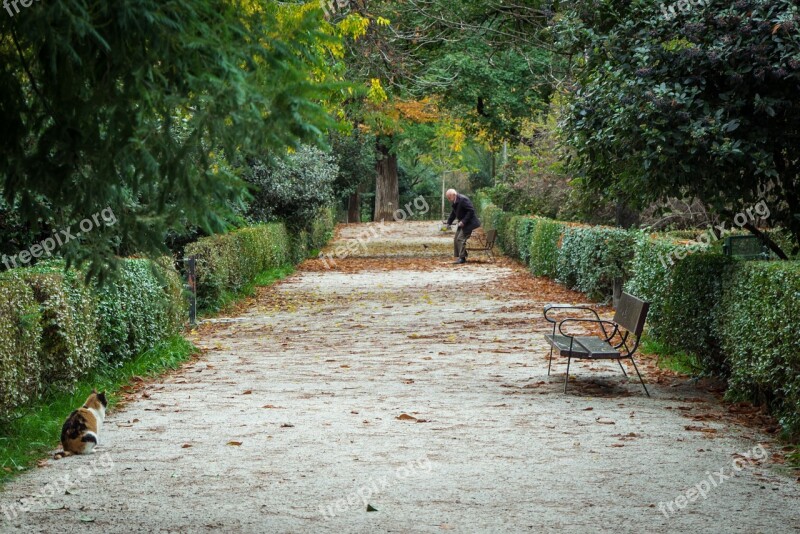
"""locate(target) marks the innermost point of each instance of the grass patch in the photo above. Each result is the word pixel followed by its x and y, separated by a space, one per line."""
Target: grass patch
pixel 672 359
pixel 37 432
pixel 266 278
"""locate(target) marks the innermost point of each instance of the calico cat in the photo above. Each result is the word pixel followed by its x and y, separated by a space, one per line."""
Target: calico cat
pixel 80 431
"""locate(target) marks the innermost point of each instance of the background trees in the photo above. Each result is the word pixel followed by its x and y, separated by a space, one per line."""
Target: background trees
pixel 141 106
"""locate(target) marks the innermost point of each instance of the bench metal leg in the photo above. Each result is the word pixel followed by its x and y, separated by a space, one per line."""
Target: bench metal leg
pixel 623 369
pixel 550 362
pixel 640 376
pixel 566 379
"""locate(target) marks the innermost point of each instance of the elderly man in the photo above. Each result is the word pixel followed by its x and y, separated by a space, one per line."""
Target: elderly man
pixel 464 211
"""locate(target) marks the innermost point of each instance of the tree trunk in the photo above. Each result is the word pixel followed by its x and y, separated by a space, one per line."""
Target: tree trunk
pixel 354 208
pixel 387 188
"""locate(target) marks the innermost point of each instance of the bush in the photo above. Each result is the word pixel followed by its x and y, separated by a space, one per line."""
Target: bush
pixel 525 229
pixel 141 306
pixel 294 189
pixel 20 343
pixel 760 321
pixel 692 307
pixel 228 262
pixel 322 228
pixel 69 344
pixel 544 247
pixel 489 216
pixel 651 276
pixel 591 259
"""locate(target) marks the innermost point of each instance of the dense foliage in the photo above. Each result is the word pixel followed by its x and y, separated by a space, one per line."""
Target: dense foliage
pixel 138 106
pixel 54 328
pixel 294 188
pixel 702 104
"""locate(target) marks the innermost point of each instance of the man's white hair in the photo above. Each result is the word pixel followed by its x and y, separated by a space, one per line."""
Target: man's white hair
pixel 451 193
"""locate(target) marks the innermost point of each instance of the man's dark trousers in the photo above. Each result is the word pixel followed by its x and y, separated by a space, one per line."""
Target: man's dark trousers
pixel 460 243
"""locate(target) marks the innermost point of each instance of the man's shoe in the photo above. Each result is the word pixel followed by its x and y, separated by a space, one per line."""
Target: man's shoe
pixel 459 261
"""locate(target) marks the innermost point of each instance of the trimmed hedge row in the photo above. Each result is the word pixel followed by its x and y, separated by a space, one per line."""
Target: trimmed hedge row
pixel 592 258
pixel 759 325
pixel 588 259
pixel 740 319
pixel 229 262
pixel 54 328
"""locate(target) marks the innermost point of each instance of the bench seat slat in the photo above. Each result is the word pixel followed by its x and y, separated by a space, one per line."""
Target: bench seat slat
pixel 583 347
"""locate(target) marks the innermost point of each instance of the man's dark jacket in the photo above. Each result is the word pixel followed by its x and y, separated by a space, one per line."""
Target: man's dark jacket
pixel 464 211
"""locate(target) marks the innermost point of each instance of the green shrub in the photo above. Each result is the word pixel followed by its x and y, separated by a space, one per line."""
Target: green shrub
pixel 69 344
pixel 592 258
pixel 489 216
pixel 651 276
pixel 508 240
pixel 691 309
pixel 141 306
pixel 500 221
pixel 525 229
pixel 544 247
pixel 322 228
pixel 20 335
pixel 759 326
pixel 228 262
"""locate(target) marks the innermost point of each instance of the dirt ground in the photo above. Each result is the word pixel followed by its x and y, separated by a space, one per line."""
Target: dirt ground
pixel 395 392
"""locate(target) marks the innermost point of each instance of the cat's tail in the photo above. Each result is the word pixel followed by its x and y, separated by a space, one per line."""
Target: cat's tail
pixel 62 454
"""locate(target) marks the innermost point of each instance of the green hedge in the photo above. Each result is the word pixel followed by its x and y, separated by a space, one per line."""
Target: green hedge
pixel 759 331
pixel 544 247
pixel 54 328
pixel 69 344
pixel 691 309
pixel 229 262
pixel 738 319
pixel 142 306
pixel 20 344
pixel 651 277
pixel 522 243
pixel 592 258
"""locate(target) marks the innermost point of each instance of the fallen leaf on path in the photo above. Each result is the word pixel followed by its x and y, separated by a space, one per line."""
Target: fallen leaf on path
pixel 287 425
pixel 235 443
pixel 42 463
pixel 87 519
pixel 589 409
pixel 405 417
pixel 186 446
pixel 272 406
pixel 248 392
pixel 371 509
pixel 695 428
pixel 604 421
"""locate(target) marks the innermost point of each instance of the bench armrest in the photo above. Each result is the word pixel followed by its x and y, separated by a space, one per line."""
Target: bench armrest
pixel 613 326
pixel 559 307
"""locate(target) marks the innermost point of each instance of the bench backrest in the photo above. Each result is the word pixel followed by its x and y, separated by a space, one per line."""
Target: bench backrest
pixel 631 314
pixel 491 236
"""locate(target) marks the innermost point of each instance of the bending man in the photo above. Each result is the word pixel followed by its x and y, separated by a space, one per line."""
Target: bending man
pixel 464 211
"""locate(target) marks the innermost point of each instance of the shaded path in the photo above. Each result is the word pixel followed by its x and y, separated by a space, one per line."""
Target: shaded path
pixel 422 388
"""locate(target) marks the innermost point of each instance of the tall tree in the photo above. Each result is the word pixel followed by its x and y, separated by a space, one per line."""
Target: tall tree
pixel 699 104
pixel 137 106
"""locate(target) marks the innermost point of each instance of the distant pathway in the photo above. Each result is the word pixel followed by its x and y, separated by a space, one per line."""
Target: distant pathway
pixel 399 381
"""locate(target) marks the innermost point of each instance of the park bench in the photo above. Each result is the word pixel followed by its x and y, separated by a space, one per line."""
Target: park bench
pixel 483 243
pixel 619 340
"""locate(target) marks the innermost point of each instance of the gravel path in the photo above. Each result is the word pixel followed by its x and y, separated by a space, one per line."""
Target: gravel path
pixel 400 382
